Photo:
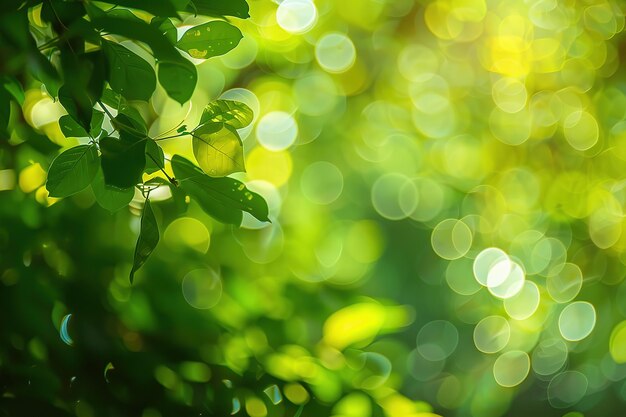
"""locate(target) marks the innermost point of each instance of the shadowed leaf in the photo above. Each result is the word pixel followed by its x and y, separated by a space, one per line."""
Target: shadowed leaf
pixel 222 198
pixel 148 238
pixel 72 171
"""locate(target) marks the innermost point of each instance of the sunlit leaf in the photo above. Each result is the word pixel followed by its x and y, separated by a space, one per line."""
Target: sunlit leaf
pixel 108 197
pixel 148 238
pixel 222 198
pixel 218 149
pixel 210 39
pixel 72 171
pixel 233 113
pixel 129 74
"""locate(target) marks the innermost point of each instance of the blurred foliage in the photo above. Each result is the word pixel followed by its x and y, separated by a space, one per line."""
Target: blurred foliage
pixel 446 194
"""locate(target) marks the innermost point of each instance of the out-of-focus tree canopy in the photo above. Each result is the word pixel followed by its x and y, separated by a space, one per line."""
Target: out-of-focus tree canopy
pixel 443 180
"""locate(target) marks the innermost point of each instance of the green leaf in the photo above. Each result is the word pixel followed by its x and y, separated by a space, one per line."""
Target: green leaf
pixel 110 198
pixel 61 13
pixel 72 171
pixel 130 120
pixel 236 8
pixel 155 7
pixel 123 160
pixel 176 74
pixel 210 39
pixel 218 149
pixel 155 159
pixel 140 31
pixel 222 198
pixel 14 88
pixel 129 74
pixel 45 72
pixel 76 104
pixel 233 113
pixel 166 27
pixel 112 99
pixel 148 238
pixel 96 123
pixel 124 14
pixel 178 78
pixel 71 129
pixel 5 111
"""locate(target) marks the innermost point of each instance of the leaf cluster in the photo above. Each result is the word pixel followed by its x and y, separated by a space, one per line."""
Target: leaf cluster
pixel 87 55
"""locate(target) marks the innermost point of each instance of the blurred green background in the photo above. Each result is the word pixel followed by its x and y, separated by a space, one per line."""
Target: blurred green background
pixel 446 188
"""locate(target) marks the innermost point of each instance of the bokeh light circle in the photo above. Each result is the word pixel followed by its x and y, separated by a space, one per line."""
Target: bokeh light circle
pixel 423 369
pixel 202 288
pixel 321 182
pixel 505 279
pixel 492 334
pixel 187 232
pixel 549 356
pixel 563 286
pixel 394 196
pixel 617 343
pixel 437 340
pixel 577 320
pixel 296 16
pixel 525 303
pixel 511 368
pixel 567 388
pixel 277 130
pixel 485 261
pixel 451 239
pixel 581 130
pixel 335 52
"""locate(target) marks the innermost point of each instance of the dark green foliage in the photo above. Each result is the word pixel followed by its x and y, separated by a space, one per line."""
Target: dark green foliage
pixel 223 198
pixel 72 171
pixel 70 128
pixel 148 238
pixel 178 78
pixel 155 159
pixel 109 197
pixel 236 8
pixel 123 160
pixel 82 59
pixel 129 75
pixel 166 27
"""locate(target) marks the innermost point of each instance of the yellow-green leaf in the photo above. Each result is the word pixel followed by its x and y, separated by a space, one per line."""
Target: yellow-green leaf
pixel 218 149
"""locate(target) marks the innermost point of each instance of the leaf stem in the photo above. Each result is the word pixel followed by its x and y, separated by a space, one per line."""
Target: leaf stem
pixel 170 179
pixel 49 44
pixel 106 111
pixel 173 136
